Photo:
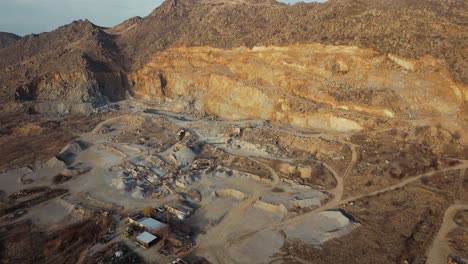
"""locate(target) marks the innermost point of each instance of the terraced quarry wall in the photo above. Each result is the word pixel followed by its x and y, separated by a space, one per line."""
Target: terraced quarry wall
pixel 338 88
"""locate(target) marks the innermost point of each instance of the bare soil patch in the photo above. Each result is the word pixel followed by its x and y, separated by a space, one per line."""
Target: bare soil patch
pixel 24 244
pixel 396 226
pixel 20 150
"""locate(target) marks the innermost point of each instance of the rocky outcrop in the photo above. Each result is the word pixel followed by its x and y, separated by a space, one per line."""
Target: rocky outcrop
pixel 74 92
pixel 263 62
pixel 408 29
pixel 59 86
pixel 314 86
pixel 70 70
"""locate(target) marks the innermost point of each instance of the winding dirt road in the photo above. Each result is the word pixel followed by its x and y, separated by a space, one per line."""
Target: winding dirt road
pixel 440 249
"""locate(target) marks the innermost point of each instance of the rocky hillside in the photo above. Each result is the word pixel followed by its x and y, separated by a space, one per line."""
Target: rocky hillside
pixel 71 69
pixel 407 28
pixel 339 65
pixel 7 39
pixel 314 86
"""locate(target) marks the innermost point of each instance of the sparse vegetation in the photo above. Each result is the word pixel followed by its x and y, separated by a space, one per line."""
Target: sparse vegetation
pixel 277 190
pixel 353 165
pixel 68 244
pixel 49 194
pixel 459 241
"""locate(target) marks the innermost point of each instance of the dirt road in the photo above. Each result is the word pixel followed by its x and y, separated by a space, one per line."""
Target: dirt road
pixel 403 183
pixel 440 250
pixel 339 190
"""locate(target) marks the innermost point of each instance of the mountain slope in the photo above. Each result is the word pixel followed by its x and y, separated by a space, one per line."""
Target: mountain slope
pixel 72 65
pixel 422 44
pixel 406 28
pixel 7 39
pixel 414 62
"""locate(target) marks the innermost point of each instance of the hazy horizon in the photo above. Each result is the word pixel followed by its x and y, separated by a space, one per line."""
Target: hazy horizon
pixel 23 17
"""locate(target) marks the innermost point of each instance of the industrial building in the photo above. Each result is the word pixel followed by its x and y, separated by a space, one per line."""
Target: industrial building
pixel 150 225
pixel 146 239
pixel 181 211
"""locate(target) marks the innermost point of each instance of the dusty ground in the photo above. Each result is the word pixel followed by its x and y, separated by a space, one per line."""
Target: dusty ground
pixel 264 193
pixel 311 133
pixel 27 139
pixel 23 243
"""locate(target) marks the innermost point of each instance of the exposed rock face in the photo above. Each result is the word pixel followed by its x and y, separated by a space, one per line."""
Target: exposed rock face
pixel 75 92
pixel 58 86
pixel 7 39
pixel 311 85
pixel 409 29
pixel 376 60
pixel 71 69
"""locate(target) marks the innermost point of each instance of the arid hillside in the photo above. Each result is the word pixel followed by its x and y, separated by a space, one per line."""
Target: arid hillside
pixel 71 69
pixel 255 131
pixel 407 28
pixel 7 39
pixel 81 66
pixel 314 86
pixel 337 65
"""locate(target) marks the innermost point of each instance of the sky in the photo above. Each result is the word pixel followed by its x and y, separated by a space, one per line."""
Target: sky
pixel 24 17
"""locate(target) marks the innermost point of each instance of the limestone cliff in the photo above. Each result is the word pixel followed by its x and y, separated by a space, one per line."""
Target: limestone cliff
pixel 317 86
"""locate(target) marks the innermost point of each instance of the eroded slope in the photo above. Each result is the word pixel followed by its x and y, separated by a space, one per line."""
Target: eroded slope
pixel 324 87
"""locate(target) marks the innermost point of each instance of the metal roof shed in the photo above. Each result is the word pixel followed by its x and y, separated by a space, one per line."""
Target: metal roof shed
pixel 152 224
pixel 145 239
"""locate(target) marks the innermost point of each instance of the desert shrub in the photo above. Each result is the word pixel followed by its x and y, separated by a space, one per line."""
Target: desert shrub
pixel 319 170
pixel 453 162
pixel 393 132
pixel 419 130
pixel 425 180
pixel 397 203
pixel 277 190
